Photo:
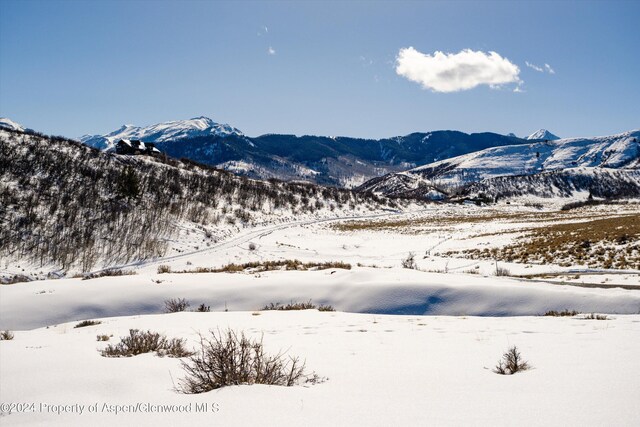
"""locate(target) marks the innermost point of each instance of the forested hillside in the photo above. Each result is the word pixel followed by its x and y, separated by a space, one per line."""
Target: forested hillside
pixel 69 206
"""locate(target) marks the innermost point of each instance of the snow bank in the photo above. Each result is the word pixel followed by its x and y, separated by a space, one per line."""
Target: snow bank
pixel 361 290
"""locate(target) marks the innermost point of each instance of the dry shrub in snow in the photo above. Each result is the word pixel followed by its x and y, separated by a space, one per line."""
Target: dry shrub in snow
pixel 563 313
pixel 86 323
pixel 6 336
pixel 291 306
pixel 511 363
pixel 175 305
pixel 298 306
pixel 594 316
pixel 202 308
pixel 229 358
pixel 109 273
pixel 501 271
pixel 410 261
pixel 146 342
pixel 260 266
pixel 164 269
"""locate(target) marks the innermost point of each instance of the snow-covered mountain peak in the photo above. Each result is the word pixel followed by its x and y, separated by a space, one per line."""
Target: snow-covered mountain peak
pixel 203 122
pixel 543 134
pixel 161 132
pixel 6 123
pixel 117 131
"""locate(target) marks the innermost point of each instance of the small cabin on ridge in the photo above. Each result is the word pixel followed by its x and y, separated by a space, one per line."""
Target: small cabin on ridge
pixel 134 146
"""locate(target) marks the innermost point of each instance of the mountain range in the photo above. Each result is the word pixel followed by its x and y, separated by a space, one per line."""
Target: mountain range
pixel 514 170
pixel 432 165
pixel 338 161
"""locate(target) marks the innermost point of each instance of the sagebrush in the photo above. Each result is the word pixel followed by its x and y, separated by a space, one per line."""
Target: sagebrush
pixel 175 305
pixel 563 313
pixel 202 308
pixel 162 269
pixel 6 336
pixel 139 342
pixel 410 261
pixel 230 358
pixel 86 323
pixel 260 266
pixel 305 305
pixel 511 363
pixel 594 316
pixel 108 273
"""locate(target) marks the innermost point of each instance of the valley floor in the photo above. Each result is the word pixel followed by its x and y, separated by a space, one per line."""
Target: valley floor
pixel 407 346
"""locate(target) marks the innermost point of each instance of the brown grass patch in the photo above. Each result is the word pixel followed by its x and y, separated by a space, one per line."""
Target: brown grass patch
pixel 258 267
pixel 600 243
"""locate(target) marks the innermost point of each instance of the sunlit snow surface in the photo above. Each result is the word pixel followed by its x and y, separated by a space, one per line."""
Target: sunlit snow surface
pixel 382 370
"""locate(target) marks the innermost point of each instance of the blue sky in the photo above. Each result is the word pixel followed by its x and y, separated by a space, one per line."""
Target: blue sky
pixel 327 68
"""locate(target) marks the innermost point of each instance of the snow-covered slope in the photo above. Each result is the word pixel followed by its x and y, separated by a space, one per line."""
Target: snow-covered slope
pixel 404 184
pixel 619 152
pixel 616 151
pixel 571 182
pixel 162 132
pixel 6 123
pixel 542 134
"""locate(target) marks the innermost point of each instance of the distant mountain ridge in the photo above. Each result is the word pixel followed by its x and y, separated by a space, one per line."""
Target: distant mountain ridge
pixel 339 161
pixel 507 165
pixel 453 163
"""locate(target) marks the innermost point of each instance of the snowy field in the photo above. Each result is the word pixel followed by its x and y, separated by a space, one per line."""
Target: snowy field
pixel 382 370
pixel 405 346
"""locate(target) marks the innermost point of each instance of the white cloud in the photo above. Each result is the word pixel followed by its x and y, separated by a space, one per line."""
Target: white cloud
pixel 546 68
pixel 271 51
pixel 533 66
pixel 452 72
